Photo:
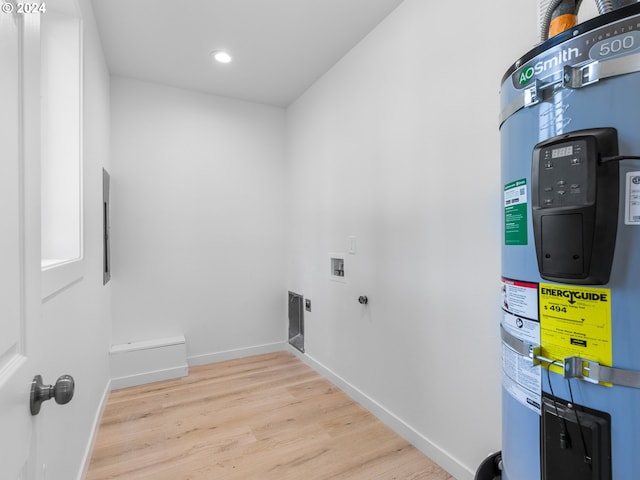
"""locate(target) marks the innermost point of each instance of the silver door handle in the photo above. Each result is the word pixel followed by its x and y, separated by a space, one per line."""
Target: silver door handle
pixel 62 391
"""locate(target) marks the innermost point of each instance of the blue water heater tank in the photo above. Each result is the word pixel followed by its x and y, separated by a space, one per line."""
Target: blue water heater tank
pixel 570 326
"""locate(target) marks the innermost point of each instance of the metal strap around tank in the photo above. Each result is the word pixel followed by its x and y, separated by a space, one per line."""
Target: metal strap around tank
pixel 593 372
pixel 574 77
pixel 617 66
pixel 575 367
pixel 523 348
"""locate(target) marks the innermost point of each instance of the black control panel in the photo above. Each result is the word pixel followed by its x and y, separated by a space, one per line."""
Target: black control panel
pixel 564 176
pixel 575 206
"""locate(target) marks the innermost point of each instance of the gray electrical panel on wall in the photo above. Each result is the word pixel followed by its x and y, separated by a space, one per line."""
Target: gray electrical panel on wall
pixel 106 185
pixel 296 321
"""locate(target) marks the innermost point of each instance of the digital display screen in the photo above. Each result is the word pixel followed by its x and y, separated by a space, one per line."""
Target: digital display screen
pixel 562 152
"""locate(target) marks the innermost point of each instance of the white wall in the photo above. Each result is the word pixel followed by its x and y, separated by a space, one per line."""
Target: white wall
pixel 77 321
pixel 198 219
pixel 398 146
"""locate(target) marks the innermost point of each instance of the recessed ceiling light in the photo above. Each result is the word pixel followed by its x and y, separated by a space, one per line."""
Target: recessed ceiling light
pixel 221 56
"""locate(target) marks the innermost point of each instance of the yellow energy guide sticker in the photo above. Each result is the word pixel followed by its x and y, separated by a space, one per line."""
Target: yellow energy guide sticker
pixel 575 321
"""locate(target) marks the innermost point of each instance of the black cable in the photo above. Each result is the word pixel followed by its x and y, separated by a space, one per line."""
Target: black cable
pixel 617 158
pixel 587 458
pixel 565 439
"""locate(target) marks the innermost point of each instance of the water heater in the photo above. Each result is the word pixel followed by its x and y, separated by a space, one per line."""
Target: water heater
pixel 570 326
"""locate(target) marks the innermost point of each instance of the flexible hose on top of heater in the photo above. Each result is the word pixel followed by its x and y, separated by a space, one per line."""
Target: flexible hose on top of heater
pixel 604 6
pixel 548 16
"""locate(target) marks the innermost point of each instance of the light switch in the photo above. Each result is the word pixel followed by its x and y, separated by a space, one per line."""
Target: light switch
pixel 352 245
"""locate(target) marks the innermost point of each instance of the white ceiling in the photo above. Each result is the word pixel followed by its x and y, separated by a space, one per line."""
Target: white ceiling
pixel 280 47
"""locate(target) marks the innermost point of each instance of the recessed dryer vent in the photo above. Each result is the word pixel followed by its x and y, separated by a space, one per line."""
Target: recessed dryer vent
pixel 296 321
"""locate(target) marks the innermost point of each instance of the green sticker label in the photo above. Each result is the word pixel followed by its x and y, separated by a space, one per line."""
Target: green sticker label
pixel 515 213
pixel 526 75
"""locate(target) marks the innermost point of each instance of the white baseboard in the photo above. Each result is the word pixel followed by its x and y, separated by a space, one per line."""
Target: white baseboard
pixel 235 354
pixel 86 459
pixel 422 443
pixel 149 377
pixel 149 361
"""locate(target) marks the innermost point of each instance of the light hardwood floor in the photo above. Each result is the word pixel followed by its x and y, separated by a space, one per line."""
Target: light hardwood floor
pixel 264 417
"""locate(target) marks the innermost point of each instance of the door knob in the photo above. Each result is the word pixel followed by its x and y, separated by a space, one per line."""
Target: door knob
pixel 62 391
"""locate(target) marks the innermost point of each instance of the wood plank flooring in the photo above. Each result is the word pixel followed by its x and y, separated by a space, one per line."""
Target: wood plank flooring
pixel 264 417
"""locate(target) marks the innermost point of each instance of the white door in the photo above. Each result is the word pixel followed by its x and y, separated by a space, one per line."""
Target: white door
pixel 19 239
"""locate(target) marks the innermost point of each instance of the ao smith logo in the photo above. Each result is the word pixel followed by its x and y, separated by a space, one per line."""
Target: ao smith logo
pixel 573 295
pixel 539 68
